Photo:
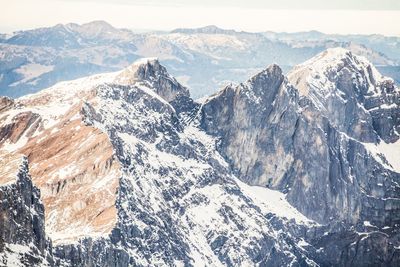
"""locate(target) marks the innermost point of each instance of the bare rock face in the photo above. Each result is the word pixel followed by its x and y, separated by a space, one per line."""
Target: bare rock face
pixel 315 140
pixel 133 172
pixel 230 116
pixel 22 234
pixel 152 73
pixel 302 141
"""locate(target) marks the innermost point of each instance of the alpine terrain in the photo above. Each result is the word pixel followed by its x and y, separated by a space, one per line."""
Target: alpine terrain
pixel 205 59
pixel 126 169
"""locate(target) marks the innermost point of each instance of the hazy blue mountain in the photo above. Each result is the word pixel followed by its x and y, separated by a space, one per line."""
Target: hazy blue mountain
pixel 203 59
pixel 388 45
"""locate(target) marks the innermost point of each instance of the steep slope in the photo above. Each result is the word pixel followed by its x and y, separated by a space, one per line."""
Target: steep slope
pixel 133 172
pixel 316 138
pixel 128 178
pixel 349 91
pixel 47 128
pixel 314 141
pixel 22 237
pixel 177 191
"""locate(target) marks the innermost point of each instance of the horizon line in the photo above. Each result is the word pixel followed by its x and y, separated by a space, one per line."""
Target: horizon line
pixel 138 30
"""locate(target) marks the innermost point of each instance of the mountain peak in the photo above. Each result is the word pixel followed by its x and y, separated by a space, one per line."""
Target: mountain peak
pixel 95 29
pixel 269 76
pixel 328 66
pixel 145 61
pixel 336 80
pixel 149 70
pixel 98 23
pixel 209 29
pixel 337 54
pixel 337 51
pixel 330 57
pixel 273 70
pixel 96 26
pixel 141 69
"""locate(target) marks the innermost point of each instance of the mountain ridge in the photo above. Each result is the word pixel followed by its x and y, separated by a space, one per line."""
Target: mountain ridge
pixel 256 164
pixel 36 59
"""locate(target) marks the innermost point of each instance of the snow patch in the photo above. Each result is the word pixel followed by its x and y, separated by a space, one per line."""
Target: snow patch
pixel 391 152
pixel 271 201
pixel 31 71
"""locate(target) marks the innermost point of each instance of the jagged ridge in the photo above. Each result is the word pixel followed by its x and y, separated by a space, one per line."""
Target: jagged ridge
pixel 180 201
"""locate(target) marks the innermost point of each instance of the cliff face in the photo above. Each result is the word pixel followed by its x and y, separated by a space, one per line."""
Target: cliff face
pixel 23 240
pixel 178 202
pixel 71 163
pixel 133 172
pixel 315 143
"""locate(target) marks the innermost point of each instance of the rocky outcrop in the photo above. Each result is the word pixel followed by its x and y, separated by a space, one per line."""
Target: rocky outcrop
pixel 133 172
pixel 310 141
pixel 22 234
pixel 245 139
pixel 351 93
pixel 176 200
pixel 151 72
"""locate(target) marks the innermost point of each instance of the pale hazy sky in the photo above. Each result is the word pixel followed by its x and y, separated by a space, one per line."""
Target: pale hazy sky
pixel 335 16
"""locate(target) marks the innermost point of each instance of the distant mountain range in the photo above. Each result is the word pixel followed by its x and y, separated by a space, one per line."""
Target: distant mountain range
pixel 204 59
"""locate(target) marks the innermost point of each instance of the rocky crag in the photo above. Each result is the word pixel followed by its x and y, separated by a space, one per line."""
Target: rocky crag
pixel 299 170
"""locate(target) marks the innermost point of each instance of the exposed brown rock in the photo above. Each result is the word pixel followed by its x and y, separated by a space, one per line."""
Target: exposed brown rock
pixel 9 165
pixel 71 163
pixel 19 126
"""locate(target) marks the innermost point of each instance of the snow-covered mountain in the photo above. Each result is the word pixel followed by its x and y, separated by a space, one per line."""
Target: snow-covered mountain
pixel 299 170
pixel 203 59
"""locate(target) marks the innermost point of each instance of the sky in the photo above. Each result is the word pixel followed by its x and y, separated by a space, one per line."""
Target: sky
pixel 339 16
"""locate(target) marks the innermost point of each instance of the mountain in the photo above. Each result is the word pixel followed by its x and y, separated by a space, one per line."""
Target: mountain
pixel 337 111
pixel 163 181
pixel 380 43
pixel 125 169
pixel 70 35
pixel 203 59
pixel 210 29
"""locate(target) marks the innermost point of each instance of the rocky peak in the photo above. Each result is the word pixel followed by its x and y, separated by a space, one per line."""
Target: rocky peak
pixel 348 89
pixel 151 72
pixel 125 182
pixel 306 139
pixel 328 69
pixel 271 77
pixel 257 93
pixel 240 117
